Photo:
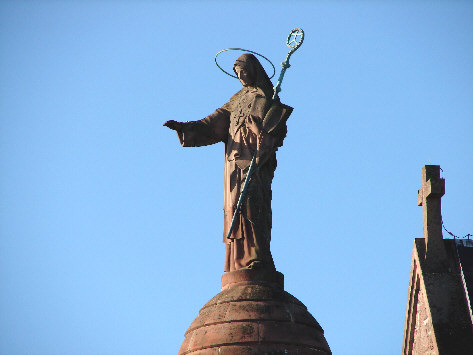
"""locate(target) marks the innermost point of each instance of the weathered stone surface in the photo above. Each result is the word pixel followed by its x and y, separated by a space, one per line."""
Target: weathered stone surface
pixel 438 316
pixel 429 197
pixel 254 315
pixel 257 349
pixel 249 277
pixel 252 126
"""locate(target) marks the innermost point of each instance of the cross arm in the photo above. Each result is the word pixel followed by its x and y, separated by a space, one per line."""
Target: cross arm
pixel 434 187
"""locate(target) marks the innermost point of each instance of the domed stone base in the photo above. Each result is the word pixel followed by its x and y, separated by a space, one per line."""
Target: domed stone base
pixel 254 315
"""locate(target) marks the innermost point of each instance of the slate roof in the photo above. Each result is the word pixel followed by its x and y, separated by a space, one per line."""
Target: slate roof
pixel 465 255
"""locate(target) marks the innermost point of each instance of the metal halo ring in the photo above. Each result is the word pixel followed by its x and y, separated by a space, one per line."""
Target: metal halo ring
pixel 244 50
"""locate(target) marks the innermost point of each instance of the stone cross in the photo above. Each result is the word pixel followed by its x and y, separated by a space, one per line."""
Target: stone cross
pixel 429 197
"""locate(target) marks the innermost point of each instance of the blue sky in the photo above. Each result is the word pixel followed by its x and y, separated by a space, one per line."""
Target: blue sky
pixel 111 232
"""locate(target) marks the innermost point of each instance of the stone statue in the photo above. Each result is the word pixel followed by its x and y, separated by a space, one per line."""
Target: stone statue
pixel 251 121
pixel 253 126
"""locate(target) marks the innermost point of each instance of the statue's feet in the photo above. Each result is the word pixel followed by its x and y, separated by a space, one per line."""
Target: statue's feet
pixel 259 265
pixel 255 265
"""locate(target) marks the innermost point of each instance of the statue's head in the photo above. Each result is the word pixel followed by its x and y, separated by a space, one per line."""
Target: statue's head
pixel 251 73
pixel 245 74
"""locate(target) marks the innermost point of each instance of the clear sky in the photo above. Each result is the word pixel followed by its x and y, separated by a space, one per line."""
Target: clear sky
pixel 111 232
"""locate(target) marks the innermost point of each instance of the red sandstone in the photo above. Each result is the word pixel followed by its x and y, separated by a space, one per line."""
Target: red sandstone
pixel 254 315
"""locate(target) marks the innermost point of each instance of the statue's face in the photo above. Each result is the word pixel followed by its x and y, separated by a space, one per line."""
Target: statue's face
pixel 245 77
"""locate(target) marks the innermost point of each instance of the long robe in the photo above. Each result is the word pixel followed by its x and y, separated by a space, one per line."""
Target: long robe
pixel 248 245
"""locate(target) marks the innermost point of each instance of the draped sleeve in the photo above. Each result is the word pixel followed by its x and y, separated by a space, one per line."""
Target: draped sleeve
pixel 209 130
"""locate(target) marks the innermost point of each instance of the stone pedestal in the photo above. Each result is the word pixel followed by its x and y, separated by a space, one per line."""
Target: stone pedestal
pixel 254 315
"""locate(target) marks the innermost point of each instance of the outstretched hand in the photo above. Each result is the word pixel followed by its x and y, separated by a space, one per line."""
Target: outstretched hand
pixel 177 126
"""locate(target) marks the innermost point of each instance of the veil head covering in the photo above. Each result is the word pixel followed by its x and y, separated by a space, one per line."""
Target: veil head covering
pixel 256 70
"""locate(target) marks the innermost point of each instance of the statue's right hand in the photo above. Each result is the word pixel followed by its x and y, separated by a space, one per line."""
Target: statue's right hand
pixel 177 126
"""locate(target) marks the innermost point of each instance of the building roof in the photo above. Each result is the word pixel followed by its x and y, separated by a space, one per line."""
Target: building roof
pixel 465 257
